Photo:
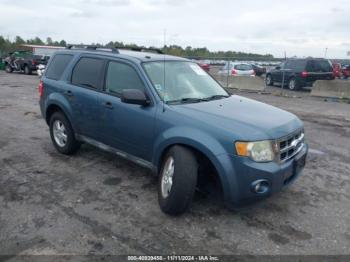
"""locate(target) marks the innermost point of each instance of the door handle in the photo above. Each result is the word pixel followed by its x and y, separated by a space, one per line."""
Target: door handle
pixel 68 93
pixel 108 105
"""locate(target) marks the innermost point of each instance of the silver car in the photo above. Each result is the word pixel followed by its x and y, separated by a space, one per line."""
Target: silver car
pixel 237 69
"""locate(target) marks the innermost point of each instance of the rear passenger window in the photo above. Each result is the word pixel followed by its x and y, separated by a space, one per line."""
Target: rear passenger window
pixel 57 66
pixel 88 72
pixel 298 65
pixel 121 76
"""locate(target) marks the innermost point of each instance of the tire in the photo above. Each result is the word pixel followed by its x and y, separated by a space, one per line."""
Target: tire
pixel 268 80
pixel 62 134
pixel 27 70
pixel 8 68
pixel 293 84
pixel 176 198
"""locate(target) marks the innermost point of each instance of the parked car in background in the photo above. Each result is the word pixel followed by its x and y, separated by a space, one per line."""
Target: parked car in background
pixel 193 130
pixel 23 61
pixel 41 70
pixel 300 73
pixel 259 70
pixel 237 69
pixel 204 66
pixel 345 70
pixel 337 70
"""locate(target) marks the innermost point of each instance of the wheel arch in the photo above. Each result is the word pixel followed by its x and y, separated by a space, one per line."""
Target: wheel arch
pixel 58 105
pixel 215 157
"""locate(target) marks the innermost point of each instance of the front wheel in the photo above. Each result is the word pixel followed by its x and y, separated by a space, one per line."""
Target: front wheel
pixel 268 80
pixel 62 134
pixel 177 180
pixel 8 68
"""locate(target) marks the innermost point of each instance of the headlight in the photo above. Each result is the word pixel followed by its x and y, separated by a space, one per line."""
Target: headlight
pixel 260 151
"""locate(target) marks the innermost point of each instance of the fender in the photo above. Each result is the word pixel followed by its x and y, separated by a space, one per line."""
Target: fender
pixel 205 144
pixel 59 100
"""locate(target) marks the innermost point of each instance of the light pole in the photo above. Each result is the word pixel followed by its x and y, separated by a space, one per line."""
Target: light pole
pixel 325 53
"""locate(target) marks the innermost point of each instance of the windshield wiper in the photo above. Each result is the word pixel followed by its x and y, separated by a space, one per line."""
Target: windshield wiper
pixel 196 99
pixel 186 100
pixel 213 97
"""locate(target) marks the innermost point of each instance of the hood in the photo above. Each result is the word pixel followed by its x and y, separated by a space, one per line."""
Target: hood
pixel 247 119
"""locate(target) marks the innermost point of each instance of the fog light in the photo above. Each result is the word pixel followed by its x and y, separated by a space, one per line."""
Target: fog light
pixel 260 186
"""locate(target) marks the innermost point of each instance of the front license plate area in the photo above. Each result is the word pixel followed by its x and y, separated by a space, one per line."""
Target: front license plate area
pixel 299 163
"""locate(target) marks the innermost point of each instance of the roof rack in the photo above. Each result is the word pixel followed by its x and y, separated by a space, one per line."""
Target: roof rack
pixel 141 49
pixel 114 49
pixel 93 47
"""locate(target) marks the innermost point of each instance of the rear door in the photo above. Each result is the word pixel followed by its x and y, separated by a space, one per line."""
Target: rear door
pixel 82 91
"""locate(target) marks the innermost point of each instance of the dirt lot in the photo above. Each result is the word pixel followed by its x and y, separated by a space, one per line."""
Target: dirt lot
pixel 97 203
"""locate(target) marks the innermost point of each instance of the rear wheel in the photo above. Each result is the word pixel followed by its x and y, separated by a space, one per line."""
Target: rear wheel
pixel 293 84
pixel 268 80
pixel 177 180
pixel 62 134
pixel 8 68
pixel 27 70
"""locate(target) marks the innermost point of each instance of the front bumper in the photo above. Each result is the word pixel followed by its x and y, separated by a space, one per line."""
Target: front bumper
pixel 238 188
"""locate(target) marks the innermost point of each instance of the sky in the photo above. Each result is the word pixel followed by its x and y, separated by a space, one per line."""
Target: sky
pixel 299 28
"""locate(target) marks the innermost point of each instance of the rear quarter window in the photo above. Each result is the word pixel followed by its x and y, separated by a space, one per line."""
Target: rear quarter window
pixel 57 66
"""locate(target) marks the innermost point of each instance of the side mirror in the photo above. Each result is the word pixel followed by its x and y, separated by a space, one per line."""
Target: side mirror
pixel 134 96
pixel 278 68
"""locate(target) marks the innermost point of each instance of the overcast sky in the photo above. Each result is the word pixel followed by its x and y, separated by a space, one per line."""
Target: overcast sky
pixel 302 28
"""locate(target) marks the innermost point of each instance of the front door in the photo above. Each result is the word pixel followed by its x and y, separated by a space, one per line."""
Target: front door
pixel 127 127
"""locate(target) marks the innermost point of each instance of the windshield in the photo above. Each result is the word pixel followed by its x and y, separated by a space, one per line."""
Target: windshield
pixel 184 81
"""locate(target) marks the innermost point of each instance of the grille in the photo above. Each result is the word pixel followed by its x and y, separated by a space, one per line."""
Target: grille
pixel 290 145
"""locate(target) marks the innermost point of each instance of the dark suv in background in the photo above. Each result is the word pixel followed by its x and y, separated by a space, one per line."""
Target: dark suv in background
pixel 299 73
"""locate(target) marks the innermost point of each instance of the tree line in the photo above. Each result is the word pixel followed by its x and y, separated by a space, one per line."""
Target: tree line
pixel 7 45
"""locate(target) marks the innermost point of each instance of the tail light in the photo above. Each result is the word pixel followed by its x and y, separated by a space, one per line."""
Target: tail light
pixel 33 62
pixel 304 74
pixel 233 72
pixel 41 88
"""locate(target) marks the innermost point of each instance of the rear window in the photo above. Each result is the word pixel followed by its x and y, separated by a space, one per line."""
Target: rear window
pixel 319 66
pixel 57 66
pixel 88 72
pixel 243 67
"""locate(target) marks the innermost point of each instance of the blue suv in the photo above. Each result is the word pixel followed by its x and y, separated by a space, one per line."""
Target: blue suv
pixel 167 114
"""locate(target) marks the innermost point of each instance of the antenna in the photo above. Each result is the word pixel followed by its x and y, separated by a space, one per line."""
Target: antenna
pixel 164 75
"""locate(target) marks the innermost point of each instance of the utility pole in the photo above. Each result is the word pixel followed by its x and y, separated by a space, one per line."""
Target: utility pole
pixel 325 53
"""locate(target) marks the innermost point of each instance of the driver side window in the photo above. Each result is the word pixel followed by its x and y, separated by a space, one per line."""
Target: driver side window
pixel 121 76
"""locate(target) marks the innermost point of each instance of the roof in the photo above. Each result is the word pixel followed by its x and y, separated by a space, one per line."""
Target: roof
pixel 127 54
pixel 44 46
pixel 307 58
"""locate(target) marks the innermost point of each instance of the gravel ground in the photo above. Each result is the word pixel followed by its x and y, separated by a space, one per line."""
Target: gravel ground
pixel 97 203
